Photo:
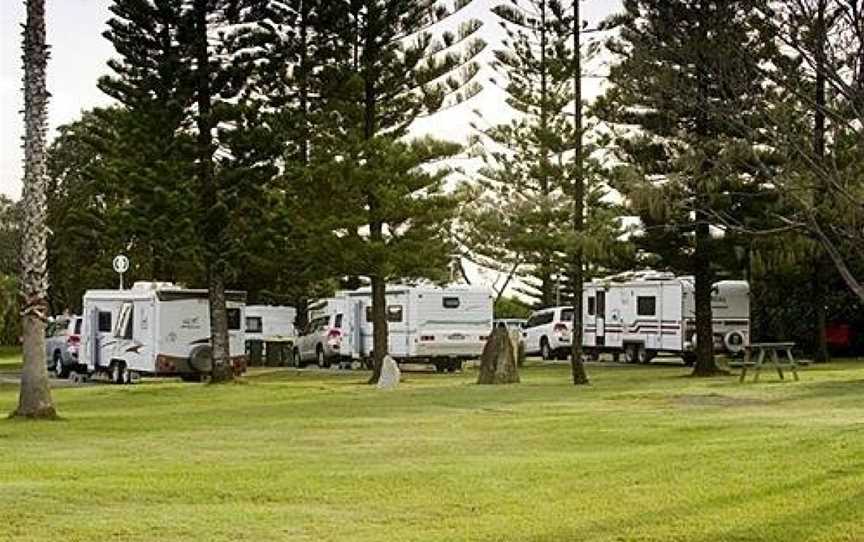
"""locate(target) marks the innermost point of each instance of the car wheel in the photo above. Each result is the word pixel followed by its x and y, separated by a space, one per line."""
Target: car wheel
pixel 322 360
pixel 545 350
pixel 59 369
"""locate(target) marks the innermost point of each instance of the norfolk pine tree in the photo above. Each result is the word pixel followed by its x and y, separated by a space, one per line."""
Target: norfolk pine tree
pixel 396 63
pixel 676 86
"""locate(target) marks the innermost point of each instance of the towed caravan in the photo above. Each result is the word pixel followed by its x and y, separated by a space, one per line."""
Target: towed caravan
pixel 156 328
pixel 643 314
pixel 426 324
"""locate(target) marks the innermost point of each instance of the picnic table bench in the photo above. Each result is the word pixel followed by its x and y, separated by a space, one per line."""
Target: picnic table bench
pixel 780 354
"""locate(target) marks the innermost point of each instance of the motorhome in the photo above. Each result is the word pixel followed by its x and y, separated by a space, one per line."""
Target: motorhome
pixel 439 325
pixel 643 314
pixel 156 328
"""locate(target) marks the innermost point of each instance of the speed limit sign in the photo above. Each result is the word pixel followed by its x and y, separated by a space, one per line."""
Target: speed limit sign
pixel 121 265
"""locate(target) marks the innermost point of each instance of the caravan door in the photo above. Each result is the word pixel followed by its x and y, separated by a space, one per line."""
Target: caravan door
pixel 600 318
pixel 398 320
pixel 94 346
pixel 353 338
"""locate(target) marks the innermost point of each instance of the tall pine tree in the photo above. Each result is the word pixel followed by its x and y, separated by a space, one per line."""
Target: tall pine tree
pixel 676 85
pixel 396 63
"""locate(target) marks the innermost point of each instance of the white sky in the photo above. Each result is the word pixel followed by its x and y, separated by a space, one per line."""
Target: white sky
pixel 79 53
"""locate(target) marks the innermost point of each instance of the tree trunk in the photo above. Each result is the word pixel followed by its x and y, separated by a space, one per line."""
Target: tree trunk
pixel 577 364
pixel 823 267
pixel 379 326
pixel 34 400
pixel 212 215
pixel 705 364
pixel 222 367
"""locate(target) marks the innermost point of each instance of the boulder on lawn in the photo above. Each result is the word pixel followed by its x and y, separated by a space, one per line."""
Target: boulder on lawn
pixel 390 374
pixel 498 361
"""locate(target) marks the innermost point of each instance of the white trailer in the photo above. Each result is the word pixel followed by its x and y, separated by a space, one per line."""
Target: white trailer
pixel 269 323
pixel 642 314
pixel 271 327
pixel 156 328
pixel 426 324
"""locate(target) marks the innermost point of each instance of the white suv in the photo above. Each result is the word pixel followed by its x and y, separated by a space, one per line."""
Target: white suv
pixel 320 342
pixel 548 332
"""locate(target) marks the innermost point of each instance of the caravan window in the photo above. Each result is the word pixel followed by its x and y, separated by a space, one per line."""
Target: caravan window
pixel 394 313
pixel 450 302
pixel 254 324
pixel 540 319
pixel 234 319
pixel 592 306
pixel 646 306
pixel 105 322
pixel 127 321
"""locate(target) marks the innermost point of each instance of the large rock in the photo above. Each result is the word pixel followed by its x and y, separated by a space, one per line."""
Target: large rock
pixel 498 361
pixel 390 374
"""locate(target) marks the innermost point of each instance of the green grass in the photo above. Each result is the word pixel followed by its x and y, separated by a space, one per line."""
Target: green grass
pixel 10 358
pixel 643 454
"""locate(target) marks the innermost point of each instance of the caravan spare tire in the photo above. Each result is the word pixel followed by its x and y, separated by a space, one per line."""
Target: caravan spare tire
pixel 734 342
pixel 201 359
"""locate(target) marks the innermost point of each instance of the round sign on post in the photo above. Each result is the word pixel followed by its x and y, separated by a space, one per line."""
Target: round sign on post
pixel 121 265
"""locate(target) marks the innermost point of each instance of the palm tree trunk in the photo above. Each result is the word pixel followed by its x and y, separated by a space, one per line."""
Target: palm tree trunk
pixel 35 396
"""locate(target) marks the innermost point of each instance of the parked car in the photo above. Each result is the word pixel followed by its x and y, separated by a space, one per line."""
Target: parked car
pixel 547 333
pixel 320 342
pixel 62 344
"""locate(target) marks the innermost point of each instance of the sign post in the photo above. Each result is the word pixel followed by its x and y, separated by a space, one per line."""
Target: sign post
pixel 121 265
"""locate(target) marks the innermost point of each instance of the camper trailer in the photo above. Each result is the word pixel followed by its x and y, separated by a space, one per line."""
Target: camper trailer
pixel 426 324
pixel 643 314
pixel 270 323
pixel 156 328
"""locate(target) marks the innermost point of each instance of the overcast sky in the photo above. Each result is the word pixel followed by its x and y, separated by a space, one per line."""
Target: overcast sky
pixel 79 53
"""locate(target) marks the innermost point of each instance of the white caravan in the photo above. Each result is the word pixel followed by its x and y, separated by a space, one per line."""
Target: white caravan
pixel 642 314
pixel 428 324
pixel 269 323
pixel 156 328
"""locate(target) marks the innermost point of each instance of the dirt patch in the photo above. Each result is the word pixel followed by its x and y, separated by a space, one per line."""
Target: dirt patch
pixel 715 399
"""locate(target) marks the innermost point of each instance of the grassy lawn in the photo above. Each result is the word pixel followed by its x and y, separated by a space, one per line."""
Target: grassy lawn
pixel 643 454
pixel 10 358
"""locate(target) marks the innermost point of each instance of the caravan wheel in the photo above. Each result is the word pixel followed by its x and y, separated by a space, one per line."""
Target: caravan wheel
pixel 119 373
pixel 631 352
pixel 645 356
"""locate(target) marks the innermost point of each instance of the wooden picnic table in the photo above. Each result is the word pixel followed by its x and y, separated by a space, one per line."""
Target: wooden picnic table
pixel 776 352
